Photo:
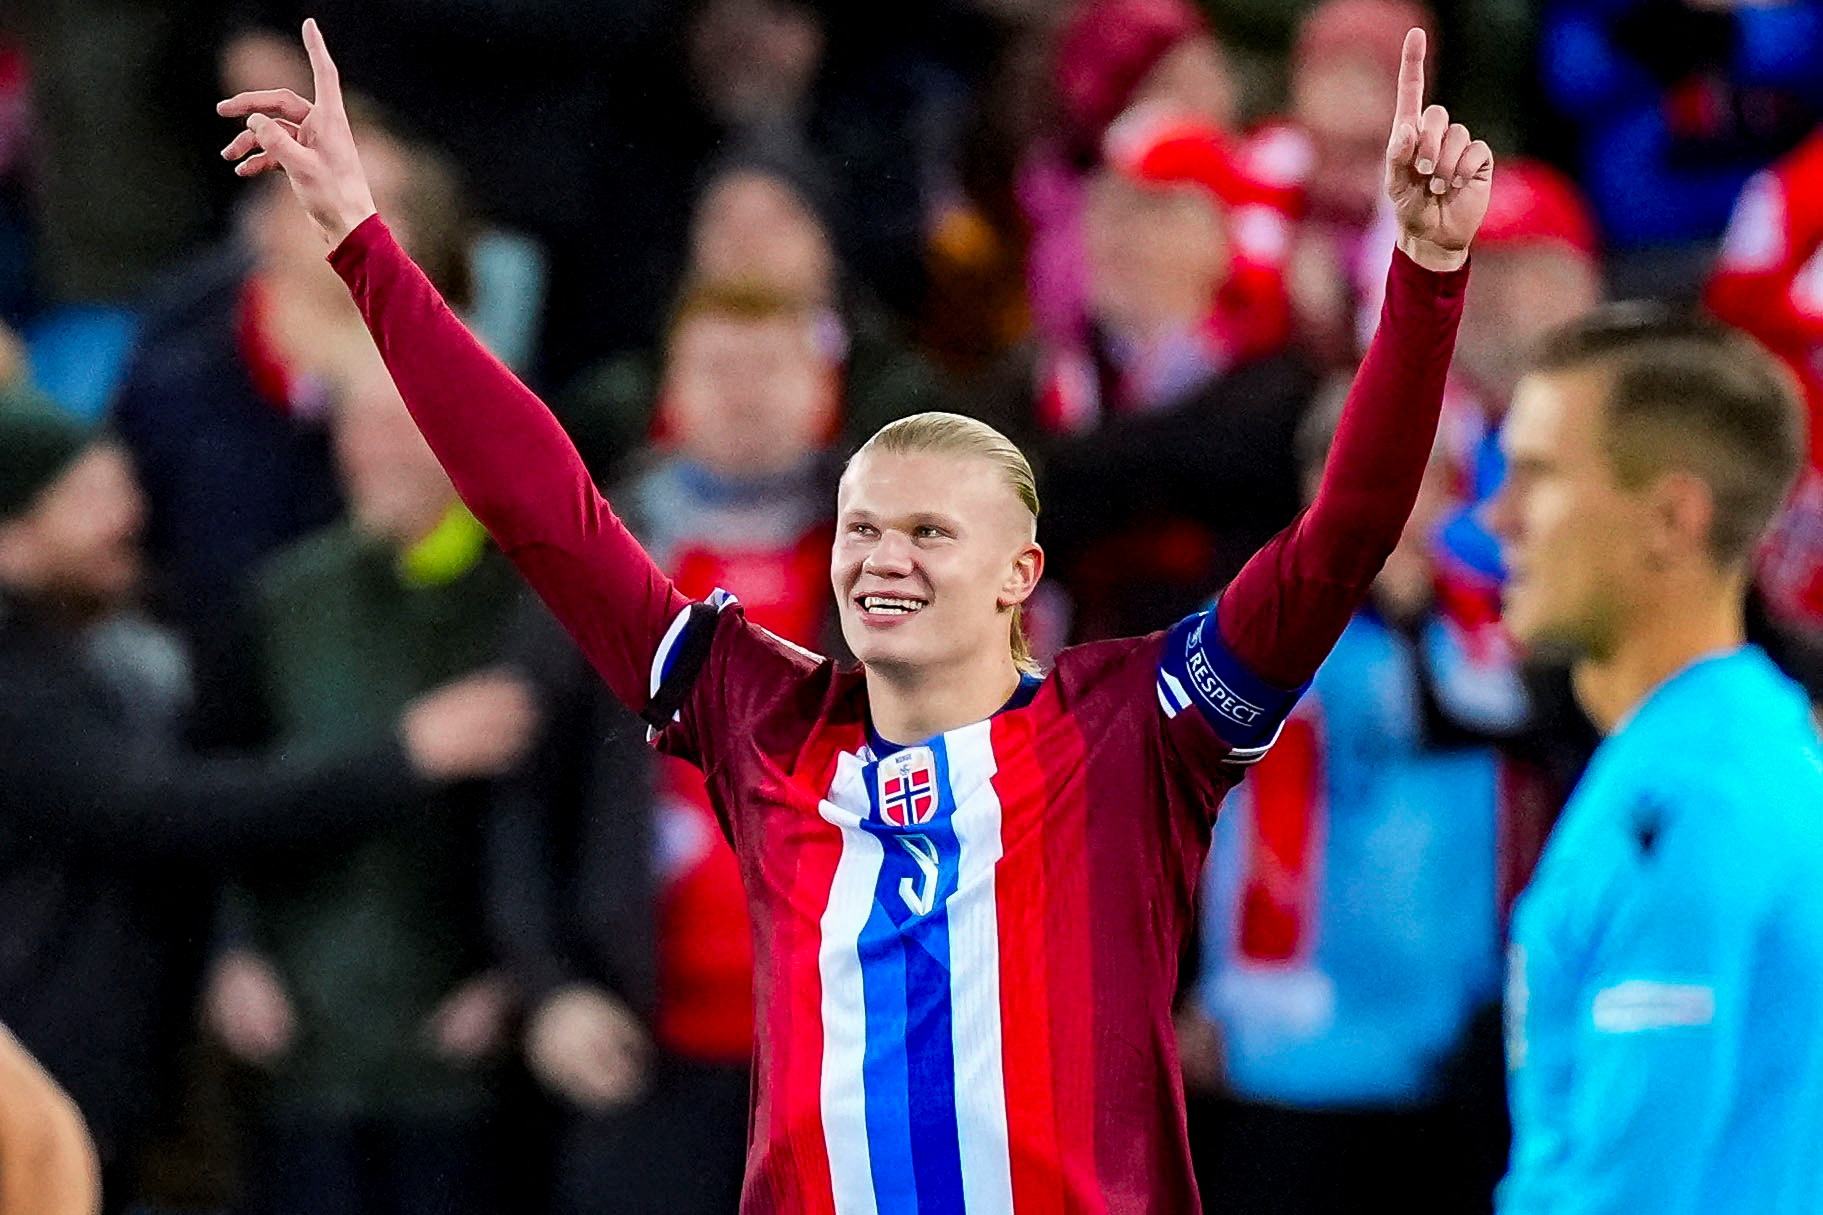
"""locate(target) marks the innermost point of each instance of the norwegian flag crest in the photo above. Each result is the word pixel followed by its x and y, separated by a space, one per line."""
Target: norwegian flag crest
pixel 908 788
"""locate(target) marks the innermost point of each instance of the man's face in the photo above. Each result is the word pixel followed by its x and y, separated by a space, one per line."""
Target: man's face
pixel 1156 254
pixel 931 550
pixel 1570 534
pixel 1517 295
pixel 749 397
pixel 750 227
pixel 396 490
pixel 82 534
pixel 1343 104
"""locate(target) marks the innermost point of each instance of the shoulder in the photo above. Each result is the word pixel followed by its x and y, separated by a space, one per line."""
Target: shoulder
pixel 1729 751
pixel 741 641
pixel 1083 669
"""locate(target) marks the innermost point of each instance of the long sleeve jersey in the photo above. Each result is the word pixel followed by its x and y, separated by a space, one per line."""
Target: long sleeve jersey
pixel 966 949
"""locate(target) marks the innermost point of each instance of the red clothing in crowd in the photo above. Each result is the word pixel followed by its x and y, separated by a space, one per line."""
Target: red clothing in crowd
pixel 705 940
pixel 1769 281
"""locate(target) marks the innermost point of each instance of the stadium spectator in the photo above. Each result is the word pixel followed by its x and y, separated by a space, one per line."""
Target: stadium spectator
pixel 114 833
pixel 224 407
pixel 760 222
pixel 1537 266
pixel 976 308
pixel 636 935
pixel 1676 103
pixel 1326 153
pixel 863 97
pixel 1170 416
pixel 1110 56
pixel 1768 281
pixel 1351 940
pixel 358 979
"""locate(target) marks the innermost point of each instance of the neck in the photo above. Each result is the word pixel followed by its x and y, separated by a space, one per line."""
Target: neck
pixel 909 706
pixel 1680 627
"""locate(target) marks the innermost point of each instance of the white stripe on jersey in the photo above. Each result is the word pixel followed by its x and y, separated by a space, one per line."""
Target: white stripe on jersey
pixel 1179 697
pixel 851 898
pixel 662 655
pixel 974 956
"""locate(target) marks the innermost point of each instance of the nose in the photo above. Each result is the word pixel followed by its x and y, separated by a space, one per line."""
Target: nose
pixel 891 555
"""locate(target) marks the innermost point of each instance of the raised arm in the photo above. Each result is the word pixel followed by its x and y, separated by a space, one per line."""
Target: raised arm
pixel 1286 608
pixel 508 457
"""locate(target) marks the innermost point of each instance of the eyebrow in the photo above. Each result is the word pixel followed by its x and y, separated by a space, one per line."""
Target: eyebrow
pixel 916 518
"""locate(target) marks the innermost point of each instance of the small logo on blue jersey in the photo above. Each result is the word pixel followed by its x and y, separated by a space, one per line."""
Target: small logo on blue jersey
pixel 908 788
pixel 1218 695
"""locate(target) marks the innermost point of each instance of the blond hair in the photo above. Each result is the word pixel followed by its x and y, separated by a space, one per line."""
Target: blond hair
pixel 953 434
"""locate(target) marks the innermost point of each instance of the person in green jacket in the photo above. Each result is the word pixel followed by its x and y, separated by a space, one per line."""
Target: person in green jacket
pixel 359 982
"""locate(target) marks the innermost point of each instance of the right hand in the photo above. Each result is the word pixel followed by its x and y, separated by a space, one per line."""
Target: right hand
pixel 588 1047
pixel 310 141
pixel 471 728
pixel 246 1005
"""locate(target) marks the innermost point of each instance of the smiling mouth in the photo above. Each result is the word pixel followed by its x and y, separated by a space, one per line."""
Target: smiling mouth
pixel 888 605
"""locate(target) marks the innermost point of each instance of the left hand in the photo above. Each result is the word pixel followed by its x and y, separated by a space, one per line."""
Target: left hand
pixel 1436 175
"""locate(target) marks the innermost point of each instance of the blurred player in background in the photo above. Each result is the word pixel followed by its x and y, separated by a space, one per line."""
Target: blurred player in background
pixel 1667 961
pixel 970 884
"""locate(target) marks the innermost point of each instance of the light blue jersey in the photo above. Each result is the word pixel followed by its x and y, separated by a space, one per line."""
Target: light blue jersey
pixel 1665 999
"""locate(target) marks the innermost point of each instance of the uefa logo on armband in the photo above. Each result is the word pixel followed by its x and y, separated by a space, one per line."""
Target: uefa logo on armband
pixel 908 788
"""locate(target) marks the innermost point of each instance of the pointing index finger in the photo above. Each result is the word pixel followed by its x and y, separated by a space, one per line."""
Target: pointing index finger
pixel 328 83
pixel 1411 80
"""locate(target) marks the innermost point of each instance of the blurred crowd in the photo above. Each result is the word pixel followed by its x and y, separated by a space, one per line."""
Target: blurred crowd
pixel 334 881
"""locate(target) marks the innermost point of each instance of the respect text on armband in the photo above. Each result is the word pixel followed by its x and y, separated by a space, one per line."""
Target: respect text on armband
pixel 1218 695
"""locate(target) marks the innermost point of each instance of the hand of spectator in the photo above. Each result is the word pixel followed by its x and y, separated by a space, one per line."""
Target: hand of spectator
pixel 471 728
pixel 470 1023
pixel 588 1047
pixel 309 140
pixel 1436 175
pixel 245 1004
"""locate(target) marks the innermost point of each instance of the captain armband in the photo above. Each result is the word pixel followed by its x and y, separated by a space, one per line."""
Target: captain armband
pixel 1196 669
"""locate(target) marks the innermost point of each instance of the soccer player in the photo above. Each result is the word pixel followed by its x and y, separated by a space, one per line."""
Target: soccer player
pixel 1666 992
pixel 970 884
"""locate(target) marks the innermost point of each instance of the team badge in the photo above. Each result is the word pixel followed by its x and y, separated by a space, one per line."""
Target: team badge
pixel 908 788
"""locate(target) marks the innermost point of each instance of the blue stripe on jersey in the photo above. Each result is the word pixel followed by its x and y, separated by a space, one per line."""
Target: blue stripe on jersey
pixel 909 1065
pixel 1196 668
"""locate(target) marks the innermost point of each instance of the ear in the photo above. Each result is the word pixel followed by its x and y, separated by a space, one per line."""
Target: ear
pixel 1022 578
pixel 1681 515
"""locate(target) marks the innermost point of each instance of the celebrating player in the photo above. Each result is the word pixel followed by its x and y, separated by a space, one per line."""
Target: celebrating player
pixel 969 884
pixel 1667 980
